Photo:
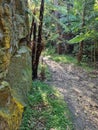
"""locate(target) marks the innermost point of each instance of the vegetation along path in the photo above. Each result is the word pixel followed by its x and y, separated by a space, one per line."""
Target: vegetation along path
pixel 80 90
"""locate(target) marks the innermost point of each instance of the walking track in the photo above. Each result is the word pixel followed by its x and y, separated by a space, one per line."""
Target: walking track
pixel 80 90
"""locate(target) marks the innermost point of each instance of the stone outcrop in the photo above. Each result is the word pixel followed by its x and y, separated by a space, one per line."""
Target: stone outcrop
pixel 13 27
pixel 10 109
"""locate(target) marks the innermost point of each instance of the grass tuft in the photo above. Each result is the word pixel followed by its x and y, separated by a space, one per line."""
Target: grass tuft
pixel 47 108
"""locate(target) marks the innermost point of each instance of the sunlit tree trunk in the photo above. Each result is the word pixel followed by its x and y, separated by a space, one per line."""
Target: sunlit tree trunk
pixel 80 54
pixel 58 31
pixel 56 3
pixel 87 9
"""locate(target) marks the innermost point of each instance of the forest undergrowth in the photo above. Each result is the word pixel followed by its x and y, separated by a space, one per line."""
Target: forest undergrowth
pixel 68 59
pixel 46 110
pixel 50 106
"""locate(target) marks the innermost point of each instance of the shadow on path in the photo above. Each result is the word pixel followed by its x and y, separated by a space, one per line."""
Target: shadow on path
pixel 80 90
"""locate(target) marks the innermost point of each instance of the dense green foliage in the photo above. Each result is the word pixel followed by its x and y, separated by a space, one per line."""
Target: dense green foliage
pixel 72 24
pixel 69 28
pixel 77 18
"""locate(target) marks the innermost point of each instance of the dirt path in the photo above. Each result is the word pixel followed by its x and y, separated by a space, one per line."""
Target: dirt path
pixel 80 90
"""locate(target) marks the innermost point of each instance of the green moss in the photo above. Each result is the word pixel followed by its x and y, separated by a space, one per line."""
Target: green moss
pixel 10 109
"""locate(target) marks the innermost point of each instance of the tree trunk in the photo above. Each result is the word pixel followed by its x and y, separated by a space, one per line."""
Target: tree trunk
pixel 37 43
pixel 80 53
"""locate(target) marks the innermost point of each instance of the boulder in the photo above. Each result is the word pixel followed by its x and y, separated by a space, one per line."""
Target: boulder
pixel 10 109
pixel 14 25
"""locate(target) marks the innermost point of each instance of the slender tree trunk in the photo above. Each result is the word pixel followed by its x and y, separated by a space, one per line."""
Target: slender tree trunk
pixel 95 54
pixel 80 54
pixel 34 67
pixel 56 13
pixel 37 43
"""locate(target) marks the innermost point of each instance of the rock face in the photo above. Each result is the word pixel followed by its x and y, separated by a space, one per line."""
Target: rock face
pixel 14 26
pixel 10 110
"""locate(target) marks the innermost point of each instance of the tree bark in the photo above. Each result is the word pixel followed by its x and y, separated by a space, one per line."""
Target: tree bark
pixel 37 43
pixel 80 53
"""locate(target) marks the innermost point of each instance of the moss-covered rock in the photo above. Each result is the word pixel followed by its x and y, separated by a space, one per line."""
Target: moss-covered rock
pixel 10 109
pixel 14 26
pixel 4 62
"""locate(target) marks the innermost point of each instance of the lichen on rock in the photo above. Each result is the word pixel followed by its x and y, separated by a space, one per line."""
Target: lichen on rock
pixel 14 25
pixel 10 109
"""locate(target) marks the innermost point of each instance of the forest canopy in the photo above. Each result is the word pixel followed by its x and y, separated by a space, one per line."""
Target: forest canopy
pixel 68 24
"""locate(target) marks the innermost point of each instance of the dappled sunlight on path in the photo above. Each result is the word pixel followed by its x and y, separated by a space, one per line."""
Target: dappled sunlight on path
pixel 80 91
